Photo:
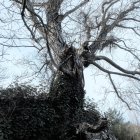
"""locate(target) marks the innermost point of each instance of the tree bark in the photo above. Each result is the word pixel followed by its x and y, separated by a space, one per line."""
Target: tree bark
pixel 67 97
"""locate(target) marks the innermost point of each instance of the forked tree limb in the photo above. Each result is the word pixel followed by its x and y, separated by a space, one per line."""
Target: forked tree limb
pixel 115 73
pixel 116 65
pixel 112 82
pixel 127 49
pixel 117 93
pixel 75 8
pixel 106 26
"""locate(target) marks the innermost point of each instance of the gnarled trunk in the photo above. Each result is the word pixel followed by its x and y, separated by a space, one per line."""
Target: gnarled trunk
pixel 67 97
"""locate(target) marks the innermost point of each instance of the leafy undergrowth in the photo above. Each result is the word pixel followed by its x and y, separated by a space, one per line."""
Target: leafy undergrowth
pixel 23 114
pixel 26 114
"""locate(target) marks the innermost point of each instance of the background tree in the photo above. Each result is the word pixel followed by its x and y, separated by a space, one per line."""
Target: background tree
pixel 120 128
pixel 72 35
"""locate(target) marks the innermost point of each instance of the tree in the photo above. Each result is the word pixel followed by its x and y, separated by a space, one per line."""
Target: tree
pixel 121 129
pixel 2 69
pixel 67 53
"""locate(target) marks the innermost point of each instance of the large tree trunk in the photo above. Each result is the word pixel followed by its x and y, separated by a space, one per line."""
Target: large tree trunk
pixel 67 100
pixel 67 97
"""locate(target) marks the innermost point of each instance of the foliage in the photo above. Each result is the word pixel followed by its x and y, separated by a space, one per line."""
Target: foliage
pixel 22 113
pixel 26 114
pixel 91 107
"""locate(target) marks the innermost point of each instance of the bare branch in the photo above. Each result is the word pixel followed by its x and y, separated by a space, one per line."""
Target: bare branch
pixel 35 20
pixel 24 6
pixel 127 49
pixel 133 19
pixel 131 28
pixel 86 25
pixel 115 73
pixel 19 46
pixel 116 65
pixel 75 8
pixel 107 26
pixel 31 32
pixel 104 11
pixel 116 91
